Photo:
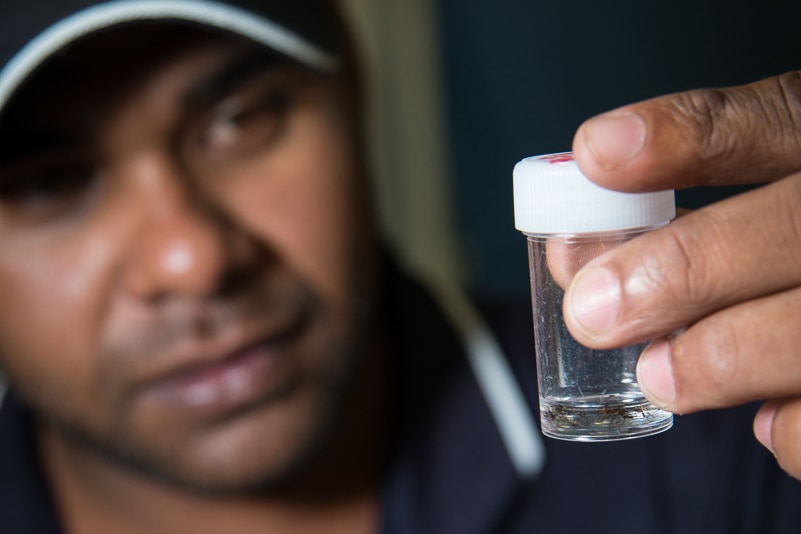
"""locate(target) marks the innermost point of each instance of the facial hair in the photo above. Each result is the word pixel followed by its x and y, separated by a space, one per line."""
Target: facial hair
pixel 115 444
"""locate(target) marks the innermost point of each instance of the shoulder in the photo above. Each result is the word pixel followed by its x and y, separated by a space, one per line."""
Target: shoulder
pixel 25 504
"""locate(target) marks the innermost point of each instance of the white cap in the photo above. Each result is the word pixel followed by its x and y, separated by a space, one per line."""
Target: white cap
pixel 552 196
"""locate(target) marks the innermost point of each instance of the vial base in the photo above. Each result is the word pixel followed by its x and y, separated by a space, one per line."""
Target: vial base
pixel 602 418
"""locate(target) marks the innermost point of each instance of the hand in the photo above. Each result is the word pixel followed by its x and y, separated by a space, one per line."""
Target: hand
pixel 719 288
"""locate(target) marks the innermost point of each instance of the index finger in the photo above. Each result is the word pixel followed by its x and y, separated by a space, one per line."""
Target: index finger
pixel 739 135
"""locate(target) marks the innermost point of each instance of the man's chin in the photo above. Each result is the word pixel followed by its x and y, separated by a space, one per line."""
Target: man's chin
pixel 257 453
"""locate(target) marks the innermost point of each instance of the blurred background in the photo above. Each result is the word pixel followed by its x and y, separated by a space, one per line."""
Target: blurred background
pixel 463 89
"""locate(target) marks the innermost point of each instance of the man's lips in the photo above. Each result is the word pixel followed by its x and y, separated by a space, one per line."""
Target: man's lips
pixel 224 374
pixel 230 381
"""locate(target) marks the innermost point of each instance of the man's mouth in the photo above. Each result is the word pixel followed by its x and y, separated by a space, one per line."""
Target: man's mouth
pixel 215 378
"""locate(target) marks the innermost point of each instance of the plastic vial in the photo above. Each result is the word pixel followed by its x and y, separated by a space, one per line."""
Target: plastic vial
pixel 585 394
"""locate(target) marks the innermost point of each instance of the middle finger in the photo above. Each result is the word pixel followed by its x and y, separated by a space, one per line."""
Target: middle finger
pixel 730 252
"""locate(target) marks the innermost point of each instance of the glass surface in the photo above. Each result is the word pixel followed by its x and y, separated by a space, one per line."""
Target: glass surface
pixel 585 394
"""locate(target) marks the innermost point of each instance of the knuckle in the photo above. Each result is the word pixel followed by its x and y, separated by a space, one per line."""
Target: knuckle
pixel 709 116
pixel 725 125
pixel 684 268
pixel 784 108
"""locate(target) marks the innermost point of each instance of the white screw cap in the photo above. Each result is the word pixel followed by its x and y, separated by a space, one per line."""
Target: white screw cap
pixel 552 196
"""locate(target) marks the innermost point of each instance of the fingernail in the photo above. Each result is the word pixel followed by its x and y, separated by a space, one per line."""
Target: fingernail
pixel 615 138
pixel 594 301
pixel 763 425
pixel 655 374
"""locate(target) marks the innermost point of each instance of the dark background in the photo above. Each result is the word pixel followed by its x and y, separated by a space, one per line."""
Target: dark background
pixel 521 75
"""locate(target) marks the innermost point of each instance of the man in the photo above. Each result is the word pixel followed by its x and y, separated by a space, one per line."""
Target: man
pixel 202 332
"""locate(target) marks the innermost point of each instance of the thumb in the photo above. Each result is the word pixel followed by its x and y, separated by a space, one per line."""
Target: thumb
pixel 737 135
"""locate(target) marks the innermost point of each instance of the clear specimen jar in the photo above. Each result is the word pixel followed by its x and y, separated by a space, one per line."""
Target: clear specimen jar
pixel 585 394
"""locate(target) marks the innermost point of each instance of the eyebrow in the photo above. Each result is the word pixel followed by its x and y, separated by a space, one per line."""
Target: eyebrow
pixel 229 77
pixel 24 146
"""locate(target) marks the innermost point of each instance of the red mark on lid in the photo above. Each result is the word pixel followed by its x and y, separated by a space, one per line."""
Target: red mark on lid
pixel 558 158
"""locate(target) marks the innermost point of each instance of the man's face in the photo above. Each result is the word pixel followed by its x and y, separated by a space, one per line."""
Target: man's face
pixel 186 259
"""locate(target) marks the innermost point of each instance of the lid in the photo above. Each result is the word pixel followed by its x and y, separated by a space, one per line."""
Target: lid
pixel 552 196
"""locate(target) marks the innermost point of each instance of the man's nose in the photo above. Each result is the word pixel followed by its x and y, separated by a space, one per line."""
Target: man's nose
pixel 184 242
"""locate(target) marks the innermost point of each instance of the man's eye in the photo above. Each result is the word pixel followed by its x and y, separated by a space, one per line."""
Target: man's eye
pixel 46 192
pixel 242 124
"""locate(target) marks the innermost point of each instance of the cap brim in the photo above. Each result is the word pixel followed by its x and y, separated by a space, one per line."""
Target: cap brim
pixel 220 16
